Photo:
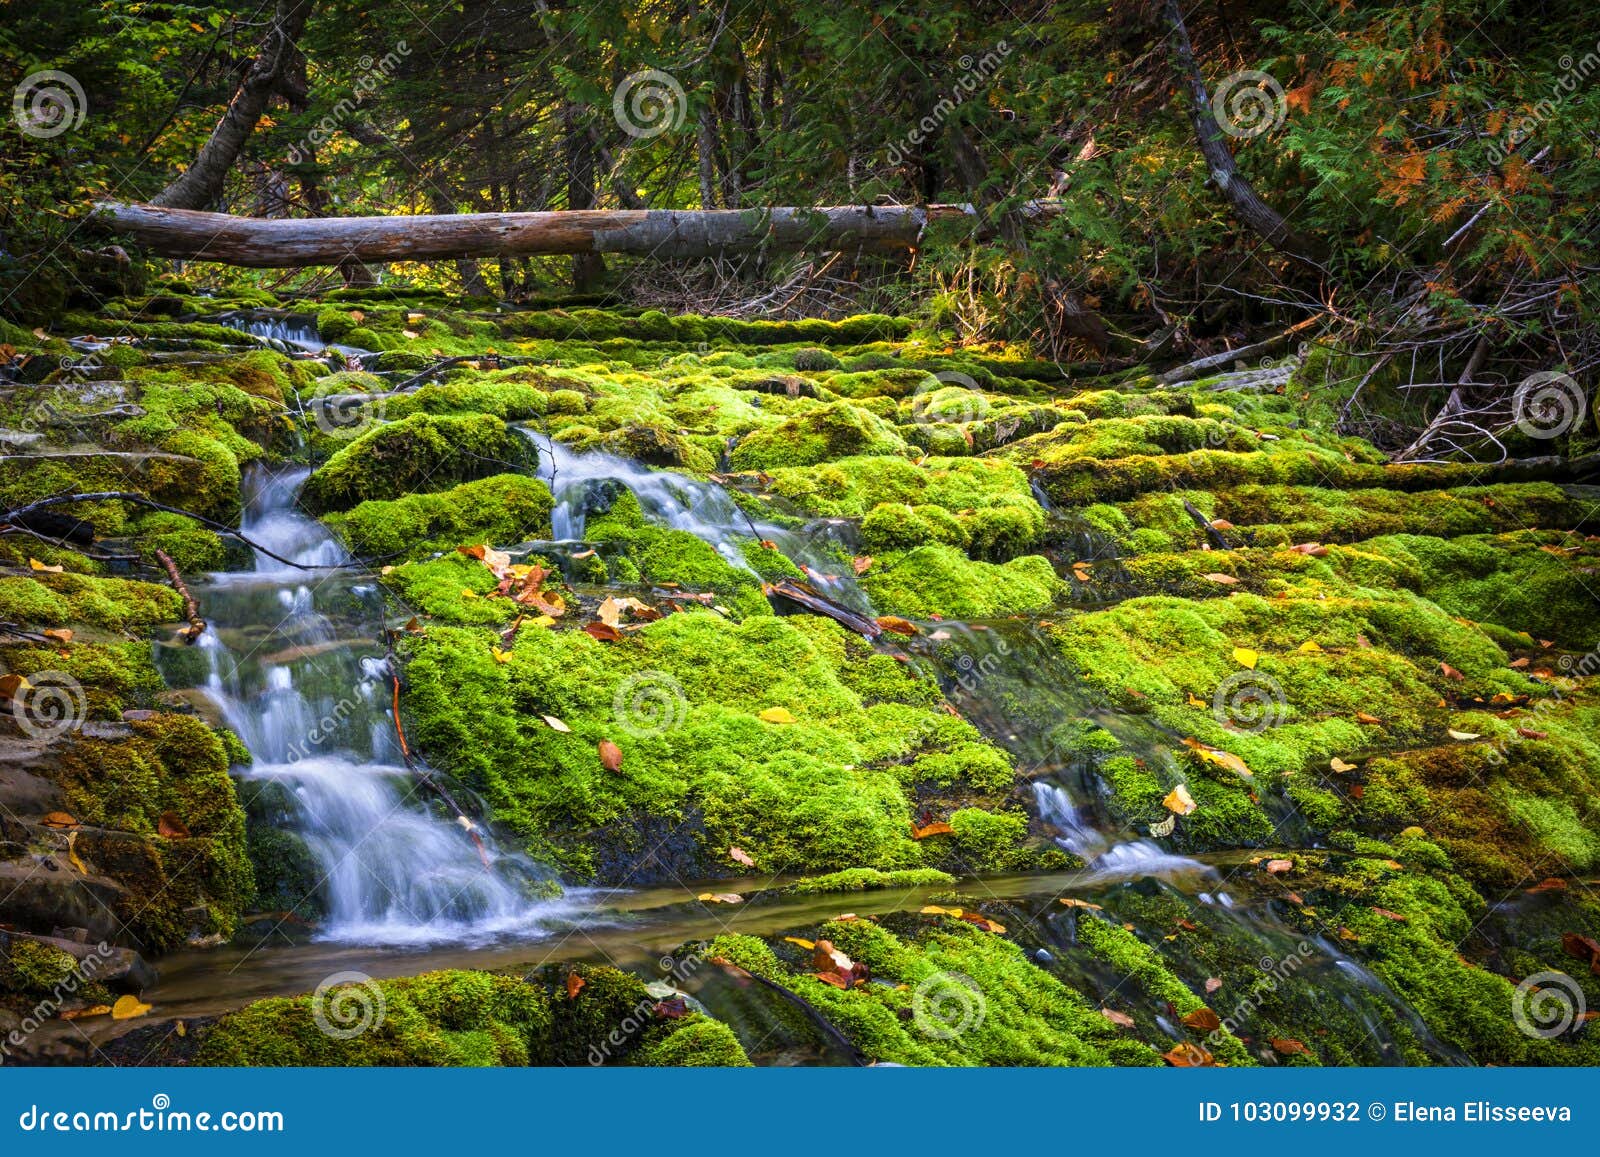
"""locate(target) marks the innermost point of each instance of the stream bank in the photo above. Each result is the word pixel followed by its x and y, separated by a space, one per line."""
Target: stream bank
pixel 1044 677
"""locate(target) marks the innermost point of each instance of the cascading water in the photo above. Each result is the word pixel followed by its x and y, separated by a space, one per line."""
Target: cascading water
pixel 578 481
pixel 307 695
pixel 288 334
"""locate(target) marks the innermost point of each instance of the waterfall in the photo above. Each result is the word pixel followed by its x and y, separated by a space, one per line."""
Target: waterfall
pixel 307 696
pixel 288 334
pixel 580 483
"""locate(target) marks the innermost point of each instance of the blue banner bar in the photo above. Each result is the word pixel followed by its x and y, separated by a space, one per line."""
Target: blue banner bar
pixel 957 1111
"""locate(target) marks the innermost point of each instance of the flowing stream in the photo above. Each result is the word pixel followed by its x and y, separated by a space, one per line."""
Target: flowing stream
pixel 290 663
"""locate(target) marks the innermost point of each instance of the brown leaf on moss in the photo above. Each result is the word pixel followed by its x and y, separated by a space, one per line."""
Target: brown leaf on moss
pixel 610 755
pixel 1202 1020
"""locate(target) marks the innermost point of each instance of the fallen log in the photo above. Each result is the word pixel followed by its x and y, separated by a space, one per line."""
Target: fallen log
pixel 666 234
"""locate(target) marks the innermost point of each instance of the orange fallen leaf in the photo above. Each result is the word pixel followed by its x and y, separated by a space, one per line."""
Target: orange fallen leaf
pixel 1279 867
pixel 61 821
pixel 575 985
pixel 938 828
pixel 1188 1055
pixel 80 1013
pixel 1179 802
pixel 1363 717
pixel 1288 1047
pixel 1450 672
pixel 896 624
pixel 603 632
pixel 610 755
pixel 172 827
pixel 1202 1020
pixel 1387 914
pixel 861 563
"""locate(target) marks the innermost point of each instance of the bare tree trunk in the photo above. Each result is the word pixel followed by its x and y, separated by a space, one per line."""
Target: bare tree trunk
pixel 201 183
pixel 661 233
pixel 1260 217
pixel 588 269
pixel 707 149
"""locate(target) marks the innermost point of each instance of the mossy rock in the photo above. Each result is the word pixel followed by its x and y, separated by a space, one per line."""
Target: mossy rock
pixel 419 453
pixel 503 509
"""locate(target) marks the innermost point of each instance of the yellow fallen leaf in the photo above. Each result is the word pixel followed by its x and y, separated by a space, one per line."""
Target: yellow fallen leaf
pixel 72 853
pixel 466 594
pixel 808 945
pixel 1245 657
pixel 720 898
pixel 501 656
pixel 1340 765
pixel 936 910
pixel 37 565
pixel 128 1007
pixel 1310 647
pixel 1179 801
pixel 777 715
pixel 1195 701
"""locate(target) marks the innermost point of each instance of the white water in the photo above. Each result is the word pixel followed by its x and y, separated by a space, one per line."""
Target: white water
pixel 678 502
pixel 289 334
pixel 395 867
pixel 1107 860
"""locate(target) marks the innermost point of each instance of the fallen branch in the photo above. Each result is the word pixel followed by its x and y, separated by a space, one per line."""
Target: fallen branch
pixel 1218 539
pixel 191 609
pixel 1201 366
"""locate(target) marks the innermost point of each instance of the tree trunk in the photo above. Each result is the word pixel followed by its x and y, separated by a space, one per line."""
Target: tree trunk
pixel 201 183
pixel 1260 217
pixel 660 233
pixel 588 269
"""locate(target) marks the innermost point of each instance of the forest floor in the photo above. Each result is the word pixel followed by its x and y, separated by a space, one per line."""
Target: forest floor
pixel 1305 745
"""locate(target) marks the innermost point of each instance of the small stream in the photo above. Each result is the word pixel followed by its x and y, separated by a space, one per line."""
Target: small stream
pixel 291 664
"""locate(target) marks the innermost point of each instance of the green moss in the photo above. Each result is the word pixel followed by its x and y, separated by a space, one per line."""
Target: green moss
pixel 504 509
pixel 1137 962
pixel 121 788
pixel 818 435
pixel 863 879
pixel 422 452
pixel 941 580
pixel 825 790
pixel 955 996
pixel 60 600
